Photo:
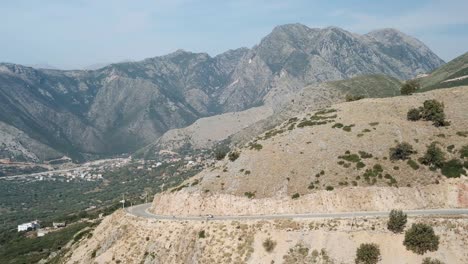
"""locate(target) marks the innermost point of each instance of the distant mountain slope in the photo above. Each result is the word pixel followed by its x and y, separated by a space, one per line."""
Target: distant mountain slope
pixel 125 106
pixel 242 126
pixel 452 74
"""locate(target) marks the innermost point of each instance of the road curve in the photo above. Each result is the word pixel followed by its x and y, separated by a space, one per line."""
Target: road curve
pixel 142 211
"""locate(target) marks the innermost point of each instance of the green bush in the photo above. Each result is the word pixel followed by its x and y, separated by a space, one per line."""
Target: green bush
pixel 431 261
pixel 360 165
pixel 269 245
pixel 337 125
pixel 350 157
pixel 410 87
pixel 367 254
pixel 413 164
pixel 250 195
pixel 329 188
pixel 413 114
pixel 433 110
pixel 421 238
pixel 201 234
pixel 401 151
pixel 295 196
pixel 464 152
pixel 350 98
pixel 453 168
pixel 233 155
pixel 434 156
pixel 220 154
pixel 256 146
pixel 364 155
pixel 397 221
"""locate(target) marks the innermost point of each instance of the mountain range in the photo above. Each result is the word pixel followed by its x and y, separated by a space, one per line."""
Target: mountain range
pixel 122 107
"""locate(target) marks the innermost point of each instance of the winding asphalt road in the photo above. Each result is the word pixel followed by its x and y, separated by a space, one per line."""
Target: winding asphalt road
pixel 142 211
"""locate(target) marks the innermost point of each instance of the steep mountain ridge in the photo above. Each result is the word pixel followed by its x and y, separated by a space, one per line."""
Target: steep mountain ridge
pixel 125 106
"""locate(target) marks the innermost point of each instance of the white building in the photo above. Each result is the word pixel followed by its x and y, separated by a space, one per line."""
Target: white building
pixel 29 226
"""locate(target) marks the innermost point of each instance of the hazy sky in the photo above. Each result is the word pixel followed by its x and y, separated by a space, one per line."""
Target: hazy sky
pixel 76 33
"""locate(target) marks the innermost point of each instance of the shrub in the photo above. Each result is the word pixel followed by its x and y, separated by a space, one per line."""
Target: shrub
pixel 201 234
pixel 250 195
pixel 431 261
pixel 367 254
pixel 350 157
pixel 402 151
pixel 410 87
pixel 329 188
pixel 413 164
pixel 433 110
pixel 464 152
pixel 348 128
pixel 365 155
pixel 337 125
pixel 360 165
pixel 233 155
pixel 220 154
pixel 453 168
pixel 421 238
pixel 350 98
pixel 434 156
pixel 295 196
pixel 413 114
pixel 397 221
pixel 256 146
pixel 269 245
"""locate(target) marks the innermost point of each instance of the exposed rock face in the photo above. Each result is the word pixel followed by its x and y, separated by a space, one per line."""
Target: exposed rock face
pixel 186 203
pixel 124 106
pixel 128 239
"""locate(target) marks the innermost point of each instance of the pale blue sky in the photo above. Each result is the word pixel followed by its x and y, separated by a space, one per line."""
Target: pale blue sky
pixel 76 33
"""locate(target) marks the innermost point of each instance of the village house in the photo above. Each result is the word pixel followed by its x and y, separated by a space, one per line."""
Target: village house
pixel 29 226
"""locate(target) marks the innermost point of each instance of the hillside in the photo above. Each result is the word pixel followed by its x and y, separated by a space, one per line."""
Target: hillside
pixel 452 74
pixel 305 155
pixel 240 126
pixel 344 148
pixel 91 113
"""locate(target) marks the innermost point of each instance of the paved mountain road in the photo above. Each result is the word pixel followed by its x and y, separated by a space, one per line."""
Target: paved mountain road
pixel 142 211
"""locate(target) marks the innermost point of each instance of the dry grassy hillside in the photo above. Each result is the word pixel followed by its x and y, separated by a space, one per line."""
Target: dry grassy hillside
pixel 309 159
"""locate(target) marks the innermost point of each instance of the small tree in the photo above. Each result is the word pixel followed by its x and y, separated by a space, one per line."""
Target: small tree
pixel 397 221
pixel 410 87
pixel 464 152
pixel 233 155
pixel 367 254
pixel 413 114
pixel 402 151
pixel 421 238
pixel 434 156
pixel 433 110
pixel 269 245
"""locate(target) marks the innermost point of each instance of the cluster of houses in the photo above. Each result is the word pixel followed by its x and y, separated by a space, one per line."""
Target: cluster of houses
pixel 36 226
